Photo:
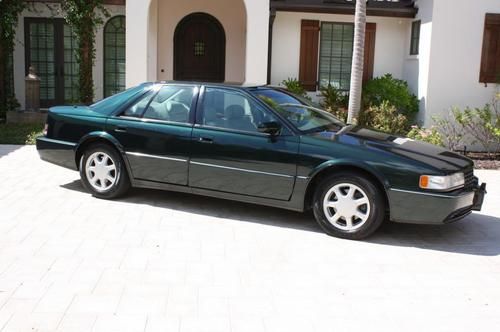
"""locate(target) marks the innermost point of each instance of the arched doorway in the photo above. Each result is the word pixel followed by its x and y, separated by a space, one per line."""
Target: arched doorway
pixel 199 49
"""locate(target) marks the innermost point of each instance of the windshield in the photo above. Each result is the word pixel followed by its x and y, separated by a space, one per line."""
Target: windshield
pixel 304 116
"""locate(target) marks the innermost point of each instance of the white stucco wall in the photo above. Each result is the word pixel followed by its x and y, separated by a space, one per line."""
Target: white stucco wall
pixel 447 68
pixel 51 11
pixel 390 43
pixel 150 42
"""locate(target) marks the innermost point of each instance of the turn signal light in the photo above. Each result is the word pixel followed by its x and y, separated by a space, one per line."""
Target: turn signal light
pixel 45 129
pixel 424 181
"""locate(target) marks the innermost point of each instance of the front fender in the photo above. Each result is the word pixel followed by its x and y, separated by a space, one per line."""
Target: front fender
pixel 354 164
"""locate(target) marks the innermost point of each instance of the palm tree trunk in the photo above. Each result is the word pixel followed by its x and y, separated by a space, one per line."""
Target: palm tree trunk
pixel 357 62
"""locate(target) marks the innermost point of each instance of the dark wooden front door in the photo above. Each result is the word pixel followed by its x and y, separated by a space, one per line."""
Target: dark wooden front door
pixel 199 49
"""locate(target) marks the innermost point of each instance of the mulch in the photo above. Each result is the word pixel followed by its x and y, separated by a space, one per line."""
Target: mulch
pixel 484 161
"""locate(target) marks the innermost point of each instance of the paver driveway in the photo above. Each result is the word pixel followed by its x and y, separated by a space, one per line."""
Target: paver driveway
pixel 159 261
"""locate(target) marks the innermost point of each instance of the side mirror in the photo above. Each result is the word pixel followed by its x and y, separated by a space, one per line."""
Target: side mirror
pixel 272 128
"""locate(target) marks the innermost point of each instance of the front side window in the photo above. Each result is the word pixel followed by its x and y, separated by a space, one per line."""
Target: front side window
pixel 335 57
pixel 232 110
pixel 415 38
pixel 171 103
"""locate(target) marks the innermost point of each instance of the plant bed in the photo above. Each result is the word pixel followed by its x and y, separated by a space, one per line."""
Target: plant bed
pixel 20 133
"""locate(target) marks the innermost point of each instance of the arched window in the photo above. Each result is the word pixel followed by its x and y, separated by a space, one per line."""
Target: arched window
pixel 114 56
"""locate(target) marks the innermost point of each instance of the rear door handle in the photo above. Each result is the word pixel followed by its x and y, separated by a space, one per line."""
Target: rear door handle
pixel 121 129
pixel 207 140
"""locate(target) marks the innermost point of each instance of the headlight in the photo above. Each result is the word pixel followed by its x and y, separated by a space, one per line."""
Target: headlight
pixel 442 182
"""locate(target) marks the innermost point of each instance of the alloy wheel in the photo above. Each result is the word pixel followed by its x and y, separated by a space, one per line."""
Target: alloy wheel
pixel 346 206
pixel 101 171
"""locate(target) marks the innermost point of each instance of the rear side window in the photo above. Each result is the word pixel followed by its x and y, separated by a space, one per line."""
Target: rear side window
pixel 172 103
pixel 136 109
pixel 111 104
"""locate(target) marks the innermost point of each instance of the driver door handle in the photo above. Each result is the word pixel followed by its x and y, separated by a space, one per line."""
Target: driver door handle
pixel 120 129
pixel 206 140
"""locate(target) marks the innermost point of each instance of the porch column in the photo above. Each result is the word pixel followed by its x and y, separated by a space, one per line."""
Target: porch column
pixel 137 42
pixel 257 41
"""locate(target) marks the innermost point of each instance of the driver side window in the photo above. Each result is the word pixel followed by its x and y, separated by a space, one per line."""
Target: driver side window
pixel 172 103
pixel 232 110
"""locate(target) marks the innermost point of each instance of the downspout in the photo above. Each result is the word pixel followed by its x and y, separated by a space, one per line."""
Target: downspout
pixel 272 16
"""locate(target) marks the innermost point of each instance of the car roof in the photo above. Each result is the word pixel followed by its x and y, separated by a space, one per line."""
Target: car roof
pixel 224 84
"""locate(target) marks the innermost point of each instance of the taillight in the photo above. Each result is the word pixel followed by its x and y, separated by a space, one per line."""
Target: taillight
pixel 45 129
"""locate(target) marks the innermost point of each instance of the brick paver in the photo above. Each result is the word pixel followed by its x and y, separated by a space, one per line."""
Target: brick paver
pixel 161 261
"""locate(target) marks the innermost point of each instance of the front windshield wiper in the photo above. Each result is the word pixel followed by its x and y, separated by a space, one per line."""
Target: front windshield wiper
pixel 344 129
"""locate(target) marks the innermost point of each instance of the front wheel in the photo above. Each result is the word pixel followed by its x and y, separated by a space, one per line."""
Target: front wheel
pixel 103 172
pixel 349 206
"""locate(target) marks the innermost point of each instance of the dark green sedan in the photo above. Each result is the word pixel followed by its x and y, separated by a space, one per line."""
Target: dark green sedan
pixel 260 145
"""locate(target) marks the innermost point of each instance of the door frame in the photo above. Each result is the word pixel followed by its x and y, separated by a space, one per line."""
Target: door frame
pixel 178 55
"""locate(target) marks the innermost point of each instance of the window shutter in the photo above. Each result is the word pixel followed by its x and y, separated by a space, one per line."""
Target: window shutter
pixel 371 29
pixel 490 60
pixel 308 68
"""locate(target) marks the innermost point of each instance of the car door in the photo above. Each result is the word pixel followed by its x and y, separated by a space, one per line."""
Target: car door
pixel 155 133
pixel 229 154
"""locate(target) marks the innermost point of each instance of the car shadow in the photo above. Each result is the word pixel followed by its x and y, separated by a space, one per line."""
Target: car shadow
pixel 214 207
pixel 478 234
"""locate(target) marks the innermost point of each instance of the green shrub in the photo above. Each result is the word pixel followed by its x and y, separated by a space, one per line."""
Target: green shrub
pixel 11 104
pixel 474 125
pixel 483 125
pixel 384 118
pixel 394 91
pixel 294 86
pixel 20 133
pixel 429 135
pixel 334 102
pixel 452 132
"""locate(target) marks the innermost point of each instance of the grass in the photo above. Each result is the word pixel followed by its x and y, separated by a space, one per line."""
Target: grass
pixel 20 133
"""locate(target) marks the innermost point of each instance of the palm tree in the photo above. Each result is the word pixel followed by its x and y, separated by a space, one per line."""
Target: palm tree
pixel 357 61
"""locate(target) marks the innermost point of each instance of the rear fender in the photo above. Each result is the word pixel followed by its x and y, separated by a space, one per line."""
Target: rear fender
pixel 99 136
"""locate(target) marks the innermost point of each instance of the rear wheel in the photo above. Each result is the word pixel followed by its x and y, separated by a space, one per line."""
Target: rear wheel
pixel 349 206
pixel 103 172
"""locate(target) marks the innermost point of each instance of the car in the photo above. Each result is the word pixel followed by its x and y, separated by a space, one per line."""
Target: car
pixel 261 145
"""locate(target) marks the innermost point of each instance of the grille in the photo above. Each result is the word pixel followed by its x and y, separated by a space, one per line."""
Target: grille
pixel 470 180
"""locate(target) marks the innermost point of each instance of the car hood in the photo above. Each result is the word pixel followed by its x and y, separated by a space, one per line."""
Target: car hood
pixel 77 111
pixel 406 148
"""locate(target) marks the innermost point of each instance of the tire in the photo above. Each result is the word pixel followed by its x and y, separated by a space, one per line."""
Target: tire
pixel 103 172
pixel 330 211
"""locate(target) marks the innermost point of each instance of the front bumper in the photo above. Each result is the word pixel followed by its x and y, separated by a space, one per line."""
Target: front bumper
pixel 57 152
pixel 434 208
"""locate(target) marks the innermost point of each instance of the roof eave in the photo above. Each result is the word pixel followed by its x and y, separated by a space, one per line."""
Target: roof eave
pixel 345 10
